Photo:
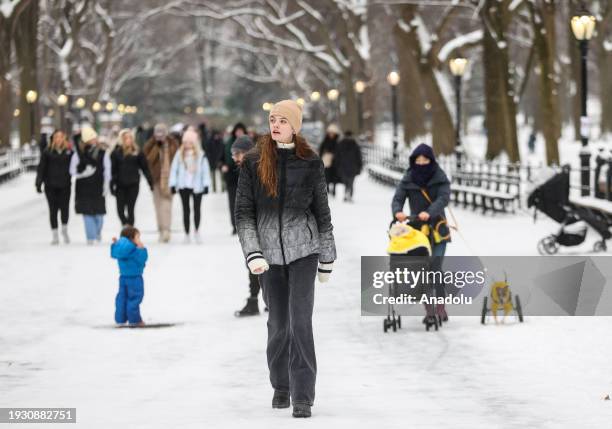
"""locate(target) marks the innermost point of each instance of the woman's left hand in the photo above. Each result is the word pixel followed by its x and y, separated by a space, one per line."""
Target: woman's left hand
pixel 423 216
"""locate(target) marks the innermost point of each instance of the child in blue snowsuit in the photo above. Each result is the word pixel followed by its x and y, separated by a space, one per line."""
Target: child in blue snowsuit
pixel 131 256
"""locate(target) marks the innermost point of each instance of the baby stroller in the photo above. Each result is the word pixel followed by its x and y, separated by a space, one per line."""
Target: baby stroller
pixel 408 238
pixel 552 199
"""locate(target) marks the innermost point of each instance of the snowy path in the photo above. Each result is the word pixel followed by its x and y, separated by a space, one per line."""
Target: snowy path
pixel 211 371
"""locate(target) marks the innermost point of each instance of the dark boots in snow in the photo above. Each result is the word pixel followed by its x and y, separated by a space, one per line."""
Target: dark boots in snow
pixel 280 399
pixel 442 312
pixel 250 309
pixel 301 410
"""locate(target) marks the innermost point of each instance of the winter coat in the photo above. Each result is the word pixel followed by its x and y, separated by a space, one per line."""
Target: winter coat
pixel 231 175
pixel 214 150
pixel 348 161
pixel 131 258
pixel 153 152
pixel 327 150
pixel 438 190
pixel 178 174
pixel 90 186
pixel 54 169
pixel 294 224
pixel 126 168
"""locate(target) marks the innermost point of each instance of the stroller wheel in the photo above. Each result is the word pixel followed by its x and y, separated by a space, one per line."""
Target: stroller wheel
pixel 394 326
pixel 600 246
pixel 399 322
pixel 548 245
pixel 385 325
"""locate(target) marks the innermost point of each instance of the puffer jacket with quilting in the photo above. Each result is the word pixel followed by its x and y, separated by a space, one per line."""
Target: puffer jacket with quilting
pixel 294 224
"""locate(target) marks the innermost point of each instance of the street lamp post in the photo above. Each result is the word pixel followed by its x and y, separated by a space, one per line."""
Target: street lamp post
pixel 359 89
pixel 332 96
pixel 457 67
pixel 62 100
pixel 393 78
pixel 314 97
pixel 79 104
pixel 31 97
pixel 583 26
pixel 96 107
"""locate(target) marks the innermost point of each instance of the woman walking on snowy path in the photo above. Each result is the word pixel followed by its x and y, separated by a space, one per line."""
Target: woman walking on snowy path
pixel 127 161
pixel 160 151
pixel 91 167
pixel 427 189
pixel 54 172
pixel 284 225
pixel 190 175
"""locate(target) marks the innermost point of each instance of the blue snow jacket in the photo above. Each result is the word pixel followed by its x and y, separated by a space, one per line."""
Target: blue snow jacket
pixel 131 259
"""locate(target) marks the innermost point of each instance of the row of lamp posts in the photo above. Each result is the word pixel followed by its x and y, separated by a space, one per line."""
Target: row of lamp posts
pixel 79 104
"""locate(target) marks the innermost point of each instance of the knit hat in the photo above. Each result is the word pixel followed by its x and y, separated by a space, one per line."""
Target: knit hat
pixel 242 144
pixel 124 132
pixel 191 135
pixel 88 134
pixel 291 110
pixel 333 129
pixel 160 131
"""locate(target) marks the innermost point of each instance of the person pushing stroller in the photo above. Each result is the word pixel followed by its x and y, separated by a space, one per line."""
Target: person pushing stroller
pixel 427 189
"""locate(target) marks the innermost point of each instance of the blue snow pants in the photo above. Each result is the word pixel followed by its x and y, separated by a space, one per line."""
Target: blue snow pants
pixel 129 297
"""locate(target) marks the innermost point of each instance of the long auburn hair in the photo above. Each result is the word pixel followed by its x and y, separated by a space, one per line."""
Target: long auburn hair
pixel 266 169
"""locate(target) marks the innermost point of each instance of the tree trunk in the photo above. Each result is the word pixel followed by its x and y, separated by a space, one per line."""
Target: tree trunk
pixel 543 19
pixel 6 114
pixel 605 83
pixel 500 114
pixel 412 99
pixel 26 47
pixel 349 120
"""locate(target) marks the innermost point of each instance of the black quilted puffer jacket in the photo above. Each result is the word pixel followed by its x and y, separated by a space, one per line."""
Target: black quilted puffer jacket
pixel 294 224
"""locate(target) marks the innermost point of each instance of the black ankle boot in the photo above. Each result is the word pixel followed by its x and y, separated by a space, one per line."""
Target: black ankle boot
pixel 250 309
pixel 280 399
pixel 301 410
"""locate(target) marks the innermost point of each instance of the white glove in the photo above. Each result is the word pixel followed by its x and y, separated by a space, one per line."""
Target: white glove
pixel 324 271
pixel 257 263
pixel 88 171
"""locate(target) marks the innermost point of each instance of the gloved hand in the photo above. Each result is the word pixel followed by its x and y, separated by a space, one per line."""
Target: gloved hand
pixel 205 190
pixel 257 263
pixel 324 271
pixel 39 188
pixel 173 190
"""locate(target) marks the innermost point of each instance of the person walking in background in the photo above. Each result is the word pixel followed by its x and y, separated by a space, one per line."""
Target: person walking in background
pixel 327 152
pixel 427 189
pixel 230 171
pixel 214 151
pixel 90 165
pixel 190 175
pixel 127 161
pixel 131 256
pixel 284 226
pixel 241 146
pixel 160 151
pixel 348 163
pixel 54 172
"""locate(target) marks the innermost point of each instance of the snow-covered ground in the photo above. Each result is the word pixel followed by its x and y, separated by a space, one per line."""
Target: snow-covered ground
pixel 56 349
